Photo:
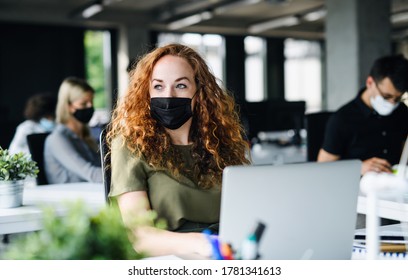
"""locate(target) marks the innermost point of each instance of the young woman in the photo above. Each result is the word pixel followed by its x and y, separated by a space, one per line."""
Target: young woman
pixel 70 153
pixel 171 137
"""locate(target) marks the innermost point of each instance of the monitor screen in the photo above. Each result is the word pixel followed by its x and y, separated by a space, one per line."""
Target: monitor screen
pixel 273 115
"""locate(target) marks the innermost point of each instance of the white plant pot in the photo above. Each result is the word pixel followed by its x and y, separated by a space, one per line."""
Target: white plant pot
pixel 11 193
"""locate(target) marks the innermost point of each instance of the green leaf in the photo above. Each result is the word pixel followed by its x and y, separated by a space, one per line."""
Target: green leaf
pixel 17 166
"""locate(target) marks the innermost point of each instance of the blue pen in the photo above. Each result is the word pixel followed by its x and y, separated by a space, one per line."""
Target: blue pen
pixel 216 253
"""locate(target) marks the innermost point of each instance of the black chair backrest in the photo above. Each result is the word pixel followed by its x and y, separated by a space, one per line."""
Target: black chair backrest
pixel 105 162
pixel 36 146
pixel 315 126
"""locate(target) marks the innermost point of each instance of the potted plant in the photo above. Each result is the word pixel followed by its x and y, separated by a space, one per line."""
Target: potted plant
pixel 14 169
pixel 80 234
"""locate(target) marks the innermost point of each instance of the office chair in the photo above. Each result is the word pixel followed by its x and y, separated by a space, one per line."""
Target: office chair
pixel 36 147
pixel 315 124
pixel 105 162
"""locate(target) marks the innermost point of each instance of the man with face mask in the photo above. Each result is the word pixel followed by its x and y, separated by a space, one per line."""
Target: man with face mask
pixel 373 127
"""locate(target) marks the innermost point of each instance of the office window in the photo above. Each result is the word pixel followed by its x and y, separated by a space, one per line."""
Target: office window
pixel 255 49
pixel 303 73
pixel 98 72
pixel 210 46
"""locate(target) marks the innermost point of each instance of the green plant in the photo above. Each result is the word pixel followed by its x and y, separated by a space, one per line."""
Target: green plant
pixel 78 235
pixel 16 166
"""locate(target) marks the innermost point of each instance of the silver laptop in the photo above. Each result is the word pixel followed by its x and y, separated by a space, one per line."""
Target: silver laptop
pixel 309 209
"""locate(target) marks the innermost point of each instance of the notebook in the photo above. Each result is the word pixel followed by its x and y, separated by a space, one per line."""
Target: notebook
pixel 309 209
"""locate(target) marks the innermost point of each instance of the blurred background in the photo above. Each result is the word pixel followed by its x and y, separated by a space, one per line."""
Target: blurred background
pixel 288 57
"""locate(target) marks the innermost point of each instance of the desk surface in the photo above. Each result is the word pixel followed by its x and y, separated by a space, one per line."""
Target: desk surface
pixel 390 207
pixel 29 216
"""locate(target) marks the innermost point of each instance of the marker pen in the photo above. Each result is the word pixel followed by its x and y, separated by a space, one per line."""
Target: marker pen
pixel 213 240
pixel 249 248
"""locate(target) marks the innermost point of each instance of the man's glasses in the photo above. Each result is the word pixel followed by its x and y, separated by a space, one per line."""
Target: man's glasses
pixel 391 98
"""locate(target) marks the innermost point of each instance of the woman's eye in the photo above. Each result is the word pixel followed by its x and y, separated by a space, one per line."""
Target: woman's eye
pixel 181 86
pixel 158 87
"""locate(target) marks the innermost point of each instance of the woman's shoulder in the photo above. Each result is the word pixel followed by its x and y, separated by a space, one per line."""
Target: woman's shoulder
pixel 62 130
pixel 124 159
pixel 61 134
pixel 117 142
pixel 120 147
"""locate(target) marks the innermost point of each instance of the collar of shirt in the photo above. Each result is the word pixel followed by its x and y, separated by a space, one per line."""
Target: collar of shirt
pixel 367 111
pixel 65 130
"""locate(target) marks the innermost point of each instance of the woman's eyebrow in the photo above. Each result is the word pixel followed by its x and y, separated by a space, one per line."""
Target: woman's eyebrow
pixel 182 78
pixel 177 80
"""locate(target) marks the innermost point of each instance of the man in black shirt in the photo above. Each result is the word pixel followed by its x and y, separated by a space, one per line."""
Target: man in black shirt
pixel 374 126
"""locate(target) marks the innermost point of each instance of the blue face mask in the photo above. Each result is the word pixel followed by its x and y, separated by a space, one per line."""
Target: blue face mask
pixel 47 124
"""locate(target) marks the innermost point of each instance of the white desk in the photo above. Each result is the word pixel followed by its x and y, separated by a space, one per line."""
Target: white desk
pixel 388 207
pixel 29 216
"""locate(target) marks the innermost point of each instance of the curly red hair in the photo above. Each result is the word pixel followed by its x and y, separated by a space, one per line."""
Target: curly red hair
pixel 216 130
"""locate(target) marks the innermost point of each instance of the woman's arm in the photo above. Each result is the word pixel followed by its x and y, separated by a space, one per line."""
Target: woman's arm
pixel 154 241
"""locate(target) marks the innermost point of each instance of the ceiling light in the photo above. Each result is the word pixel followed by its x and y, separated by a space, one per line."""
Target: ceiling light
pixel 315 15
pixel 190 20
pixel 400 17
pixel 92 10
pixel 273 24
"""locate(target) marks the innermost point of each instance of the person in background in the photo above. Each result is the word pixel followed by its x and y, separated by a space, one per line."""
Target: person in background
pixel 372 127
pixel 70 152
pixel 171 136
pixel 40 114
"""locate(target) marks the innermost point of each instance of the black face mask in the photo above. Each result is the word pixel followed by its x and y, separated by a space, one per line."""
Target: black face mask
pixel 84 115
pixel 171 112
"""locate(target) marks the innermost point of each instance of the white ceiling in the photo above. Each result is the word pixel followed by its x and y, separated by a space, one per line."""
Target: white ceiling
pixel 228 16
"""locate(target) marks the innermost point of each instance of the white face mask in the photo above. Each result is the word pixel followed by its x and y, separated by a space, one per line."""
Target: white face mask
pixel 382 106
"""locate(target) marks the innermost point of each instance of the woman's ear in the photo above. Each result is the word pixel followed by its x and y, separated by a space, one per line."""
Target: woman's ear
pixel 71 108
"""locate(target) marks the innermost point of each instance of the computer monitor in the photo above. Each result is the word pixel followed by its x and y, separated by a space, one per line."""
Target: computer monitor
pixel 274 115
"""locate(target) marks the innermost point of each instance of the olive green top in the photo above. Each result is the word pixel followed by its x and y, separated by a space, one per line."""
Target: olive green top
pixel 177 200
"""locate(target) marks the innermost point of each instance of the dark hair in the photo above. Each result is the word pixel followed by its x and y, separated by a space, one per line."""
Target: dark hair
pixel 40 105
pixel 394 67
